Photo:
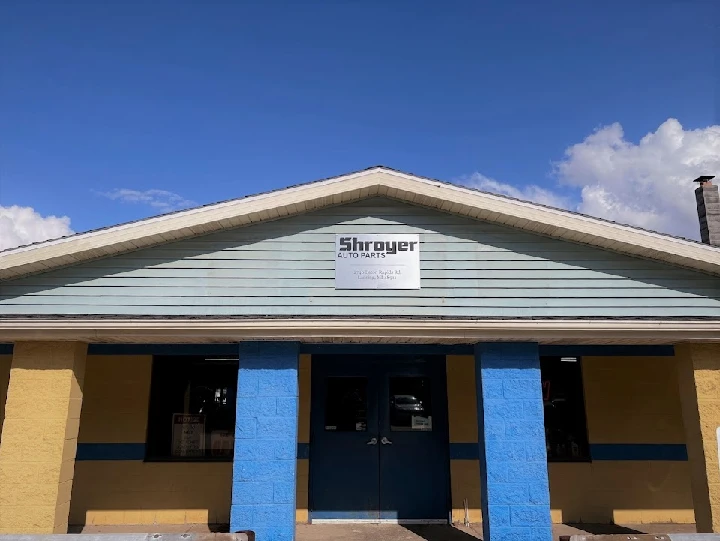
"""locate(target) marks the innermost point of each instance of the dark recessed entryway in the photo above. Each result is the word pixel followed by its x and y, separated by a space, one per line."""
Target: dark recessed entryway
pixel 379 439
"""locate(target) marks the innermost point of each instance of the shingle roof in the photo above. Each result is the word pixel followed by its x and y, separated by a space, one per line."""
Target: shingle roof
pixel 373 181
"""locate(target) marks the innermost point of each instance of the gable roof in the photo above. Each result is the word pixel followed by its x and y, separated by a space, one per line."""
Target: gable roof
pixel 374 181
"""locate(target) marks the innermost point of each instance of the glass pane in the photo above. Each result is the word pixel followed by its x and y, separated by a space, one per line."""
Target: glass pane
pixel 565 429
pixel 205 426
pixel 192 409
pixel 410 404
pixel 346 404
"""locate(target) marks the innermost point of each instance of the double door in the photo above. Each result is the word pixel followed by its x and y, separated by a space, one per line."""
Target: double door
pixel 379 439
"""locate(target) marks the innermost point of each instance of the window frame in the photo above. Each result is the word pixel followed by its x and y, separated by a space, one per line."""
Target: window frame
pixel 161 365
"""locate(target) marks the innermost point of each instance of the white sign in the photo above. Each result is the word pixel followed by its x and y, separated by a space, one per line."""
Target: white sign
pixel 420 423
pixel 188 436
pixel 222 442
pixel 377 262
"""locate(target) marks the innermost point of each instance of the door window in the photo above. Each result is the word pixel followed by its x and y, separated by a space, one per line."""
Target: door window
pixel 410 404
pixel 346 404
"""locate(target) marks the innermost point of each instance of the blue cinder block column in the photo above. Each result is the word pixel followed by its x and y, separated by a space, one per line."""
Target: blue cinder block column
pixel 513 457
pixel 264 467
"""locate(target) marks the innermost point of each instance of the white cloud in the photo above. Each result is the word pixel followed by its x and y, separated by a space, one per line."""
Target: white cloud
pixel 527 193
pixel 162 200
pixel 647 184
pixel 23 225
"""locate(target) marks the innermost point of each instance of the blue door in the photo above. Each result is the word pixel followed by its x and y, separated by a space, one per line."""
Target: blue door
pixel 344 460
pixel 379 440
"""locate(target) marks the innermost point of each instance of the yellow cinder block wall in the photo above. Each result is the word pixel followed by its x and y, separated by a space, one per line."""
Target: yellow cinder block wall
pixel 40 430
pixel 699 387
pixel 628 400
pixel 115 410
pixel 5 361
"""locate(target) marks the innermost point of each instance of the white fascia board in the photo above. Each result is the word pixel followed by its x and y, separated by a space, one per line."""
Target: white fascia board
pixel 171 227
pixel 562 224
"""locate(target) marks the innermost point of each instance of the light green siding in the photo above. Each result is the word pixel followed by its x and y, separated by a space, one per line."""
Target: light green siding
pixel 286 268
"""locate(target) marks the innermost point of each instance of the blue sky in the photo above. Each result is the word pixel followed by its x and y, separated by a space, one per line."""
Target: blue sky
pixel 214 100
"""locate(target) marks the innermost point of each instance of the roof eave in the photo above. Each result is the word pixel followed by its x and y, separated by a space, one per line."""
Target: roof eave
pixel 361 330
pixel 296 200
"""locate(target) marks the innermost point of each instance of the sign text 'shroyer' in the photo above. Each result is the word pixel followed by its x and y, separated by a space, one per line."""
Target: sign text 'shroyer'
pixel 377 262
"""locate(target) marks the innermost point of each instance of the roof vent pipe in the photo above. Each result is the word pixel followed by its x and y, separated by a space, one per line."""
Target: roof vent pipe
pixel 708 208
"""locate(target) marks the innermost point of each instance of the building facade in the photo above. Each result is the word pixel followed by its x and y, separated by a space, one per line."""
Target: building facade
pixel 372 347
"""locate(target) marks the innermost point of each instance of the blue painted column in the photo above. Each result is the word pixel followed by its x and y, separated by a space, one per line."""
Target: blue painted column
pixel 264 467
pixel 513 458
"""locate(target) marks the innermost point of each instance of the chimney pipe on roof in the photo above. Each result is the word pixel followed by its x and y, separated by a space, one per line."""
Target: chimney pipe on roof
pixel 708 208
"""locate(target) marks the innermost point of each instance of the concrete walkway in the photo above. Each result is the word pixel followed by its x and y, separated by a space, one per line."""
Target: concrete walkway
pixel 393 532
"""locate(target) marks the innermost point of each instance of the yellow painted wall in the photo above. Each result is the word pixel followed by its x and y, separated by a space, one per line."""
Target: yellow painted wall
pixel 303 466
pixel 462 419
pixel 5 361
pixel 115 410
pixel 302 514
pixel 627 400
pixel 632 400
pixel 117 394
pixel 629 492
pixel 134 492
pixel 465 484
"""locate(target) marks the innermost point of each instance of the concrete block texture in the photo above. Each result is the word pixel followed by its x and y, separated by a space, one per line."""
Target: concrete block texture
pixel 699 382
pixel 5 361
pixel 39 436
pixel 266 435
pixel 515 491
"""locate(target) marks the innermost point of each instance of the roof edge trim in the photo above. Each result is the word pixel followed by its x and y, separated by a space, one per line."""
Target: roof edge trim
pixel 366 330
pixel 376 181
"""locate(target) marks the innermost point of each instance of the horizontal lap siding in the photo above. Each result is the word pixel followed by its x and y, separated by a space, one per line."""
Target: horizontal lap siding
pixel 286 268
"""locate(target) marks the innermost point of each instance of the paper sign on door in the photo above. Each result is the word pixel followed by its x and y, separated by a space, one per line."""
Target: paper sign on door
pixel 421 423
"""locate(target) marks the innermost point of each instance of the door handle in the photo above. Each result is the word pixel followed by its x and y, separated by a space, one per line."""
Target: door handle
pixel 373 441
pixel 385 441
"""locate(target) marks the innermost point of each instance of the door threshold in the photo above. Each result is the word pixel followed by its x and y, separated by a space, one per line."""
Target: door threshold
pixel 378 521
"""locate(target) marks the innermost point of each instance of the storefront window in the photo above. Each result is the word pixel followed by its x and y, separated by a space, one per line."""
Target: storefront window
pixel 565 427
pixel 192 409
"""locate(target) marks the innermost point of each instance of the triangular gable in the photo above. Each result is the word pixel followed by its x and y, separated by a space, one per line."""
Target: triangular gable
pixel 376 181
pixel 288 268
